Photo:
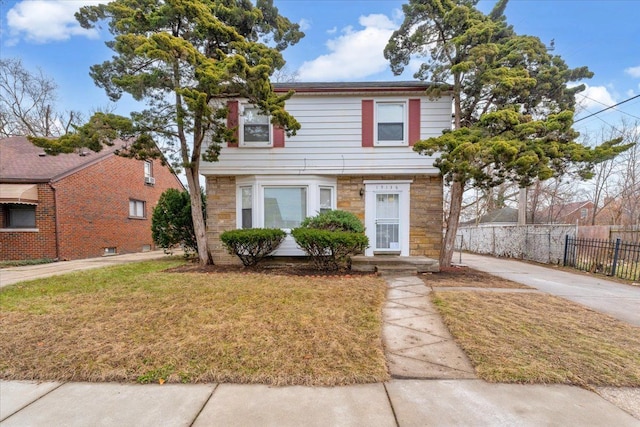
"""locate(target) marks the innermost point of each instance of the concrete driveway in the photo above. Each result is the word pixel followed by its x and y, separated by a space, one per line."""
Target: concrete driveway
pixel 11 275
pixel 618 300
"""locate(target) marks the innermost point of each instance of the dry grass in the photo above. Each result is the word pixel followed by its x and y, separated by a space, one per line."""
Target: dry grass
pixel 455 277
pixel 537 338
pixel 137 323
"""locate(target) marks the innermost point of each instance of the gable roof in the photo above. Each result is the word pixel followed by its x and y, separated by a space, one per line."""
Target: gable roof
pixel 502 215
pixel 21 161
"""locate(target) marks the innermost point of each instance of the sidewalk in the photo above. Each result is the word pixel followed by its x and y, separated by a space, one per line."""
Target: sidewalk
pixel 396 403
pixel 615 299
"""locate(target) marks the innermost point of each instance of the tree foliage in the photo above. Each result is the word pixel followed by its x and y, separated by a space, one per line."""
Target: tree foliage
pixel 513 102
pixel 28 103
pixel 172 223
pixel 183 58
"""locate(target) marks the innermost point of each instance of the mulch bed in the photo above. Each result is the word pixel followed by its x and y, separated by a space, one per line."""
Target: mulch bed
pixel 282 269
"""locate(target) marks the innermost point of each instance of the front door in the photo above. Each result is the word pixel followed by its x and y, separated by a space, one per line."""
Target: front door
pixel 387 217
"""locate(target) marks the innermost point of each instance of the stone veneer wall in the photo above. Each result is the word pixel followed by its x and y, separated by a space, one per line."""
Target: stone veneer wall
pixel 426 210
pixel 221 216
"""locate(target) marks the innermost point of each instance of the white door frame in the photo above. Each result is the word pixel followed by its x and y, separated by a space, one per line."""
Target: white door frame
pixel 374 187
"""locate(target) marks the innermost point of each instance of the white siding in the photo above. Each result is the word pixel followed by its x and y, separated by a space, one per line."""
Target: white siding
pixel 330 141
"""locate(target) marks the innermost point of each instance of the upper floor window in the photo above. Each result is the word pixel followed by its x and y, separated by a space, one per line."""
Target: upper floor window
pixel 148 173
pixel 255 128
pixel 583 213
pixel 391 123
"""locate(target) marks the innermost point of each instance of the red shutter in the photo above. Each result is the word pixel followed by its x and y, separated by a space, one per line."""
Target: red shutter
pixel 278 136
pixel 233 119
pixel 414 121
pixel 367 123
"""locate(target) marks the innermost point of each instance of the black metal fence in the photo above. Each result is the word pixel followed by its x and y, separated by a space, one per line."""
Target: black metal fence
pixel 610 257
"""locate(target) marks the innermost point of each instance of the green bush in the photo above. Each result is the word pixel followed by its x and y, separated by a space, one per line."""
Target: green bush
pixel 335 220
pixel 330 237
pixel 172 224
pixel 252 244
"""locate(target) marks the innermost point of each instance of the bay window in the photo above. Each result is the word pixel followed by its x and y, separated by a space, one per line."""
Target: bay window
pixel 277 202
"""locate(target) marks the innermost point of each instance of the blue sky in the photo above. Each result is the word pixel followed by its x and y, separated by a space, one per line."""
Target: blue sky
pixel 344 42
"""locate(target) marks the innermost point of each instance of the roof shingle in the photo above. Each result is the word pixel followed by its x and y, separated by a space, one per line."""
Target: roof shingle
pixel 21 161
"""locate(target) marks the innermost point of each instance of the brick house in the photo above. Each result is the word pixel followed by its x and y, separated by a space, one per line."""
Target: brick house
pixel 79 205
pixel 579 213
pixel 354 152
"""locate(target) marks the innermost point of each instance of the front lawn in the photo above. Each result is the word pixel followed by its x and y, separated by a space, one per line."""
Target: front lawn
pixel 136 322
pixel 539 338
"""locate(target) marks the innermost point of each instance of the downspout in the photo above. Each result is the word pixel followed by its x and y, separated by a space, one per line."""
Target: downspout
pixel 57 231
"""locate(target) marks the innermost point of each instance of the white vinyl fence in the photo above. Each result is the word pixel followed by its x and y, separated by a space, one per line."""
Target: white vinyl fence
pixel 540 243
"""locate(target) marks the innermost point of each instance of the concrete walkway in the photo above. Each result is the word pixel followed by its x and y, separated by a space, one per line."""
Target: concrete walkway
pixel 618 300
pixel 433 384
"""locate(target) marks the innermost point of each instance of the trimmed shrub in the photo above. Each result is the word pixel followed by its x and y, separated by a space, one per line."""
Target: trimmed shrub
pixel 335 220
pixel 252 244
pixel 330 237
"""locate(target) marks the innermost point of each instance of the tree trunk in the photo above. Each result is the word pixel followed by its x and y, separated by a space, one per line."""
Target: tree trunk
pixel 455 206
pixel 196 215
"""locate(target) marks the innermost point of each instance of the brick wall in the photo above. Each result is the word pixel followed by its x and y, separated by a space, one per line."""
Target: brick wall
pixel 93 207
pixel 26 245
pixel 221 216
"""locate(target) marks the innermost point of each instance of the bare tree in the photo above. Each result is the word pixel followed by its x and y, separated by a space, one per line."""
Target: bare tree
pixel 615 187
pixel 628 205
pixel 28 103
pixel 285 75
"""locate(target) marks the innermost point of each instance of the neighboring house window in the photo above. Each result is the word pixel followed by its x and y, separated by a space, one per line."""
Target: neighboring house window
pixel 136 209
pixel 148 173
pixel 391 123
pixel 583 213
pixel 255 128
pixel 20 216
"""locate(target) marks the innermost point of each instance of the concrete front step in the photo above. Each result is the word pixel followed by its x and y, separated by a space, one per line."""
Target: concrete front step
pixel 394 265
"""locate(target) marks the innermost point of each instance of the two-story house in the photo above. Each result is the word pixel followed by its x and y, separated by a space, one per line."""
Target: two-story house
pixel 354 152
pixel 77 205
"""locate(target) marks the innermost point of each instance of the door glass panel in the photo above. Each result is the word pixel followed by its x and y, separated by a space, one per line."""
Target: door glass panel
pixel 388 221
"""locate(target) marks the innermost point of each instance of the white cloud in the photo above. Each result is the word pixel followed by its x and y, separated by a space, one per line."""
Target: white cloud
pixel 43 21
pixel 595 97
pixel 633 71
pixel 305 24
pixel 354 54
pixel 332 30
